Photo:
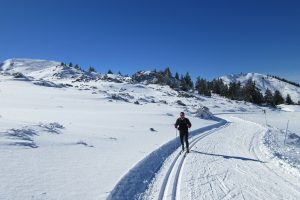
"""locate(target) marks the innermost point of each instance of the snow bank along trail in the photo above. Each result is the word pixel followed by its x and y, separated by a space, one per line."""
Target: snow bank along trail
pixel 231 164
pixel 134 183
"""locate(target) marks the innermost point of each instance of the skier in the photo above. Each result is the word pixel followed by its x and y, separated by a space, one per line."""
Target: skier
pixel 183 124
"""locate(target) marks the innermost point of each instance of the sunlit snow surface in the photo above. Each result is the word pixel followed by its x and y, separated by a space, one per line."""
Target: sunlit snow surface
pixel 66 139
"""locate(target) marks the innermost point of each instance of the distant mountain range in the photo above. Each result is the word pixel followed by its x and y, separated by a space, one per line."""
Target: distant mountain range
pixel 264 82
pixel 58 72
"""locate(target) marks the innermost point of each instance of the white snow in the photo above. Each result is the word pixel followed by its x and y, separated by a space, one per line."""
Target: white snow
pixel 229 163
pixel 102 139
pixel 263 82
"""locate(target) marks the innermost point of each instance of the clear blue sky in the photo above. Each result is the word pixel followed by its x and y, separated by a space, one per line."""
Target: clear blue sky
pixel 206 38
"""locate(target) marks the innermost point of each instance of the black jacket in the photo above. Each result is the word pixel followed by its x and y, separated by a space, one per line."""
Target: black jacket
pixel 183 125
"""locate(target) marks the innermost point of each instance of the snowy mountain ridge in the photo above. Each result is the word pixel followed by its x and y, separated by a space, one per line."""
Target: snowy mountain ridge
pixel 58 73
pixel 54 71
pixel 40 69
pixel 264 82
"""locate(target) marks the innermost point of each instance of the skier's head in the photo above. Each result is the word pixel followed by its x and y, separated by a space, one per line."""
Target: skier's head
pixel 182 114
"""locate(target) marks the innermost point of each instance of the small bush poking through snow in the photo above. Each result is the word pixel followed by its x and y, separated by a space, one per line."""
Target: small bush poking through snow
pixel 163 101
pixel 47 84
pixel 118 97
pixel 204 113
pixel 22 137
pixel 153 130
pixel 80 142
pixel 52 127
pixel 19 75
pixel 179 102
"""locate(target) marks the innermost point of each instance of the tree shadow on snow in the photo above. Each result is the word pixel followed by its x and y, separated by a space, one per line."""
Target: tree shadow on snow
pixel 25 144
pixel 228 157
pixel 24 137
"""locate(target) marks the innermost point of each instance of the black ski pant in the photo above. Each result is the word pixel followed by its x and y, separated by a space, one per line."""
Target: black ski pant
pixel 184 138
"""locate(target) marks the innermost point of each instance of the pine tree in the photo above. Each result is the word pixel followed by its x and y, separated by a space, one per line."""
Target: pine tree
pixel 201 86
pixel 186 82
pixel 240 91
pixel 70 64
pixel 289 100
pixel 183 85
pixel 91 69
pixel 252 93
pixel 109 72
pixel 165 77
pixel 215 86
pixel 278 99
pixel 176 76
pixel 248 91
pixel 223 89
pixel 269 98
pixel 77 67
pixel 258 97
pixel 234 90
pixel 167 73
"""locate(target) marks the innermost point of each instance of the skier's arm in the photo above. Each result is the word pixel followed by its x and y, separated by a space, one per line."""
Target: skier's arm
pixel 189 123
pixel 176 124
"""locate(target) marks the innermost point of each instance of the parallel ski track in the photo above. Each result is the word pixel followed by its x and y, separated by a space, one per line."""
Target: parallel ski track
pixel 253 150
pixel 180 159
pixel 254 142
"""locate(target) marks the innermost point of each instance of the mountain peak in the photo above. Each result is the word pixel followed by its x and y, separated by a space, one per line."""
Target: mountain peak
pixel 24 65
pixel 264 82
pixel 39 69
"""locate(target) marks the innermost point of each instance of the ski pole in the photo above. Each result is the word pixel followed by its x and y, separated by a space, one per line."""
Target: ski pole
pixel 266 117
pixel 175 139
pixel 286 131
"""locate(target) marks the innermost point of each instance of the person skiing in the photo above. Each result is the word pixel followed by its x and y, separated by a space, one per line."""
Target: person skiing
pixel 183 124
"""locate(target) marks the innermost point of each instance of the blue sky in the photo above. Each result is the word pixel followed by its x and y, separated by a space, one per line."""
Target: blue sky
pixel 205 38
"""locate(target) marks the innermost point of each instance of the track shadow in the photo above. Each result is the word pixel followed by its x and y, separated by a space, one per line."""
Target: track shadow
pixel 228 157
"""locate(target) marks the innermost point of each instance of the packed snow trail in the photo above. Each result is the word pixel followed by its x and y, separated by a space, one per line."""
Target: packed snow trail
pixel 169 185
pixel 134 183
pixel 229 164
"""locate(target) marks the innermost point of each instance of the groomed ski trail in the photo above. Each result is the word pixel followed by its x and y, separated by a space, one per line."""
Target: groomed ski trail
pixel 226 161
pixel 232 164
pixel 136 181
pixel 169 186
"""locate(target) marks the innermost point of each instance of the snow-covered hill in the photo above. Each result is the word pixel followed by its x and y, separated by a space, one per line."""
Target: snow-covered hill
pixel 42 70
pixel 104 134
pixel 27 66
pixel 263 82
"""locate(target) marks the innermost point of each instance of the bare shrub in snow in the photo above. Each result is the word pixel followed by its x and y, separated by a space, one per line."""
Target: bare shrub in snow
pixel 19 75
pixel 179 102
pixel 204 113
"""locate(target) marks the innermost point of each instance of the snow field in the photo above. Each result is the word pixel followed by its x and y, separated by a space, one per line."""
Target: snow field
pixel 103 137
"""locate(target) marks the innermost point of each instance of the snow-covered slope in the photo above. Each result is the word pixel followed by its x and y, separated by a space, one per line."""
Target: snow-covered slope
pixel 27 66
pixel 85 140
pixel 40 69
pixel 263 82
